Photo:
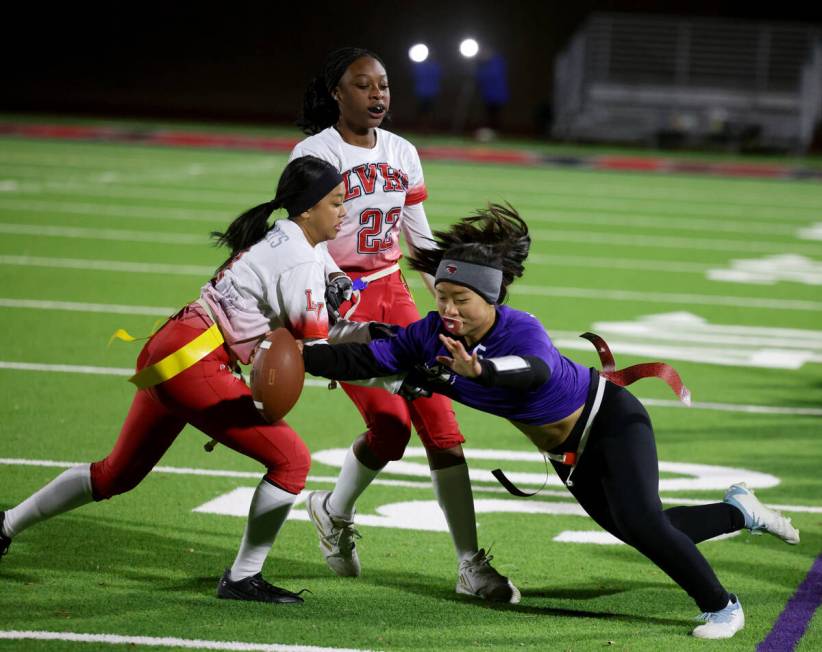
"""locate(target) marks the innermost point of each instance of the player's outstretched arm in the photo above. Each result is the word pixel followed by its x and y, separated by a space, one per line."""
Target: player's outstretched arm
pixel 353 361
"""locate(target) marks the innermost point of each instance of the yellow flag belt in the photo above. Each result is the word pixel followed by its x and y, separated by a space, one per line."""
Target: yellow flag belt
pixel 180 360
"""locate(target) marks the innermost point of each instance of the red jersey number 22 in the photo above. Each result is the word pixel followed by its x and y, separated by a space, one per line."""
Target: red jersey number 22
pixel 368 237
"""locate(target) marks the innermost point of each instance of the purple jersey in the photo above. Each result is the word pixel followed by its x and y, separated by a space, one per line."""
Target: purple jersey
pixel 514 333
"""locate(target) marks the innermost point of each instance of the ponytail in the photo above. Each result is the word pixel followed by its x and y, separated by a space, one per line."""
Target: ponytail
pixel 303 182
pixel 246 230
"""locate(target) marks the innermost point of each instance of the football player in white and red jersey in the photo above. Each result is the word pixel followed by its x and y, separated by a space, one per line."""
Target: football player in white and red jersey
pixel 343 109
pixel 274 277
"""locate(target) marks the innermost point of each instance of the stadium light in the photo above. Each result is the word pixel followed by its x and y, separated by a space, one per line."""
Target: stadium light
pixel 418 53
pixel 469 48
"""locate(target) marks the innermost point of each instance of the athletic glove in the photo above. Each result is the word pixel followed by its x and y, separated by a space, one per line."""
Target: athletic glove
pixel 377 330
pixel 410 392
pixel 422 381
pixel 338 290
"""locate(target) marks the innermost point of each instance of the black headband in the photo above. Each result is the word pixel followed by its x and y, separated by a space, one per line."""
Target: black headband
pixel 328 180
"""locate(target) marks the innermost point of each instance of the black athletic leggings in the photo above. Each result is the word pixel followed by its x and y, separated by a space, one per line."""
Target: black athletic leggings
pixel 617 483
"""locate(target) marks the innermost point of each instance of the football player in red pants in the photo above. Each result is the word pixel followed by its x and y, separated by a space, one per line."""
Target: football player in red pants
pixel 275 277
pixel 344 107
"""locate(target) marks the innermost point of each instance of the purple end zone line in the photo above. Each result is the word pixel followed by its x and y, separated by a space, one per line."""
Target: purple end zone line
pixel 794 619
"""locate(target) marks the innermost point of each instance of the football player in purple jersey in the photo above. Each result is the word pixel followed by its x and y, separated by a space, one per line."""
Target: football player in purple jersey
pixel 597 435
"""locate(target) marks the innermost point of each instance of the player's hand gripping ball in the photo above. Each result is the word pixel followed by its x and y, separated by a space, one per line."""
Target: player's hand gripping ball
pixel 277 375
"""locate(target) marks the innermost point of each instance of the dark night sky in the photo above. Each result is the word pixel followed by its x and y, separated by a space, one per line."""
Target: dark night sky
pixel 250 62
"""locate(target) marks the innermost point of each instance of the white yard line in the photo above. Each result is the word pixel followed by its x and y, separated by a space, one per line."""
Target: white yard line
pixel 74 306
pixel 141 192
pixel 613 239
pixel 163 641
pixel 479 487
pixel 202 271
pixel 322 384
pixel 632 264
pixel 660 222
pixel 45 230
pixel 749 196
pixel 96 209
pixel 532 290
pixel 665 297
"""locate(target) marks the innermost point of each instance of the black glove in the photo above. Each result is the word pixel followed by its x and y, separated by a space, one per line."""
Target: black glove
pixel 422 381
pixel 409 391
pixel 338 290
pixel 380 331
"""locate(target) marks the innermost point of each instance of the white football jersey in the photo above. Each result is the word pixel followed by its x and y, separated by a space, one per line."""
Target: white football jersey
pixel 384 191
pixel 278 282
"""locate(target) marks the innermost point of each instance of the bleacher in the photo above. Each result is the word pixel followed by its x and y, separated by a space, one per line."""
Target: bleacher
pixel 670 81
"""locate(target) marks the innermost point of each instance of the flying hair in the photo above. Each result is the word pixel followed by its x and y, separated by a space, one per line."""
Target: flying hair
pixel 320 109
pixel 495 236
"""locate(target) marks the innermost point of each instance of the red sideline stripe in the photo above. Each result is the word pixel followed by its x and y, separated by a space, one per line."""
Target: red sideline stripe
pixel 68 132
pixel 478 155
pixel 749 170
pixel 167 138
pixel 630 163
pixel 146 136
pixel 200 139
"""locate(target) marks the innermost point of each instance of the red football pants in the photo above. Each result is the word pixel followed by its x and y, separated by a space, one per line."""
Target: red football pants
pixel 387 416
pixel 209 397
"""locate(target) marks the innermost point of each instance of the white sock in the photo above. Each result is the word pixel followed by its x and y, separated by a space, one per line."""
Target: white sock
pixel 353 480
pixel 453 490
pixel 68 490
pixel 269 509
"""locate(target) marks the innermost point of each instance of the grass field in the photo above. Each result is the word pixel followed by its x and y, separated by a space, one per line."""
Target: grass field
pixel 99 236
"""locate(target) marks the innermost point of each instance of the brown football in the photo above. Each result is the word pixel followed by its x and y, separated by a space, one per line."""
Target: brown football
pixel 277 375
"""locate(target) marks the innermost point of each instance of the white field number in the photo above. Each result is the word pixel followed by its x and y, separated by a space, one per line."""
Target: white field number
pixel 426 516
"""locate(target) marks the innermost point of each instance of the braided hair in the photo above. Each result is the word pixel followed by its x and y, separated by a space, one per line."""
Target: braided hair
pixel 320 109
pixel 495 237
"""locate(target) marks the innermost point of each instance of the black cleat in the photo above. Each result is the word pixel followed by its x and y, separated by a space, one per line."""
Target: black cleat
pixel 5 541
pixel 254 588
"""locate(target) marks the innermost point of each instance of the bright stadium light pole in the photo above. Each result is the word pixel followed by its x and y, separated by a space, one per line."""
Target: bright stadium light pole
pixel 468 49
pixel 418 52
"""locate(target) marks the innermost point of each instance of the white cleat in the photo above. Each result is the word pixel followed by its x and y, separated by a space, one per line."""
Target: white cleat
pixel 336 536
pixel 723 623
pixel 758 518
pixel 478 578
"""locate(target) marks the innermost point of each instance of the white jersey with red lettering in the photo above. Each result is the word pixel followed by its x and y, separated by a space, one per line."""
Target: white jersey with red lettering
pixel 384 191
pixel 278 282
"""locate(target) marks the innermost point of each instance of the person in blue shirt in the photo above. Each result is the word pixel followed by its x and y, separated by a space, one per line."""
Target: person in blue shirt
pixel 427 77
pixel 492 81
pixel 597 435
